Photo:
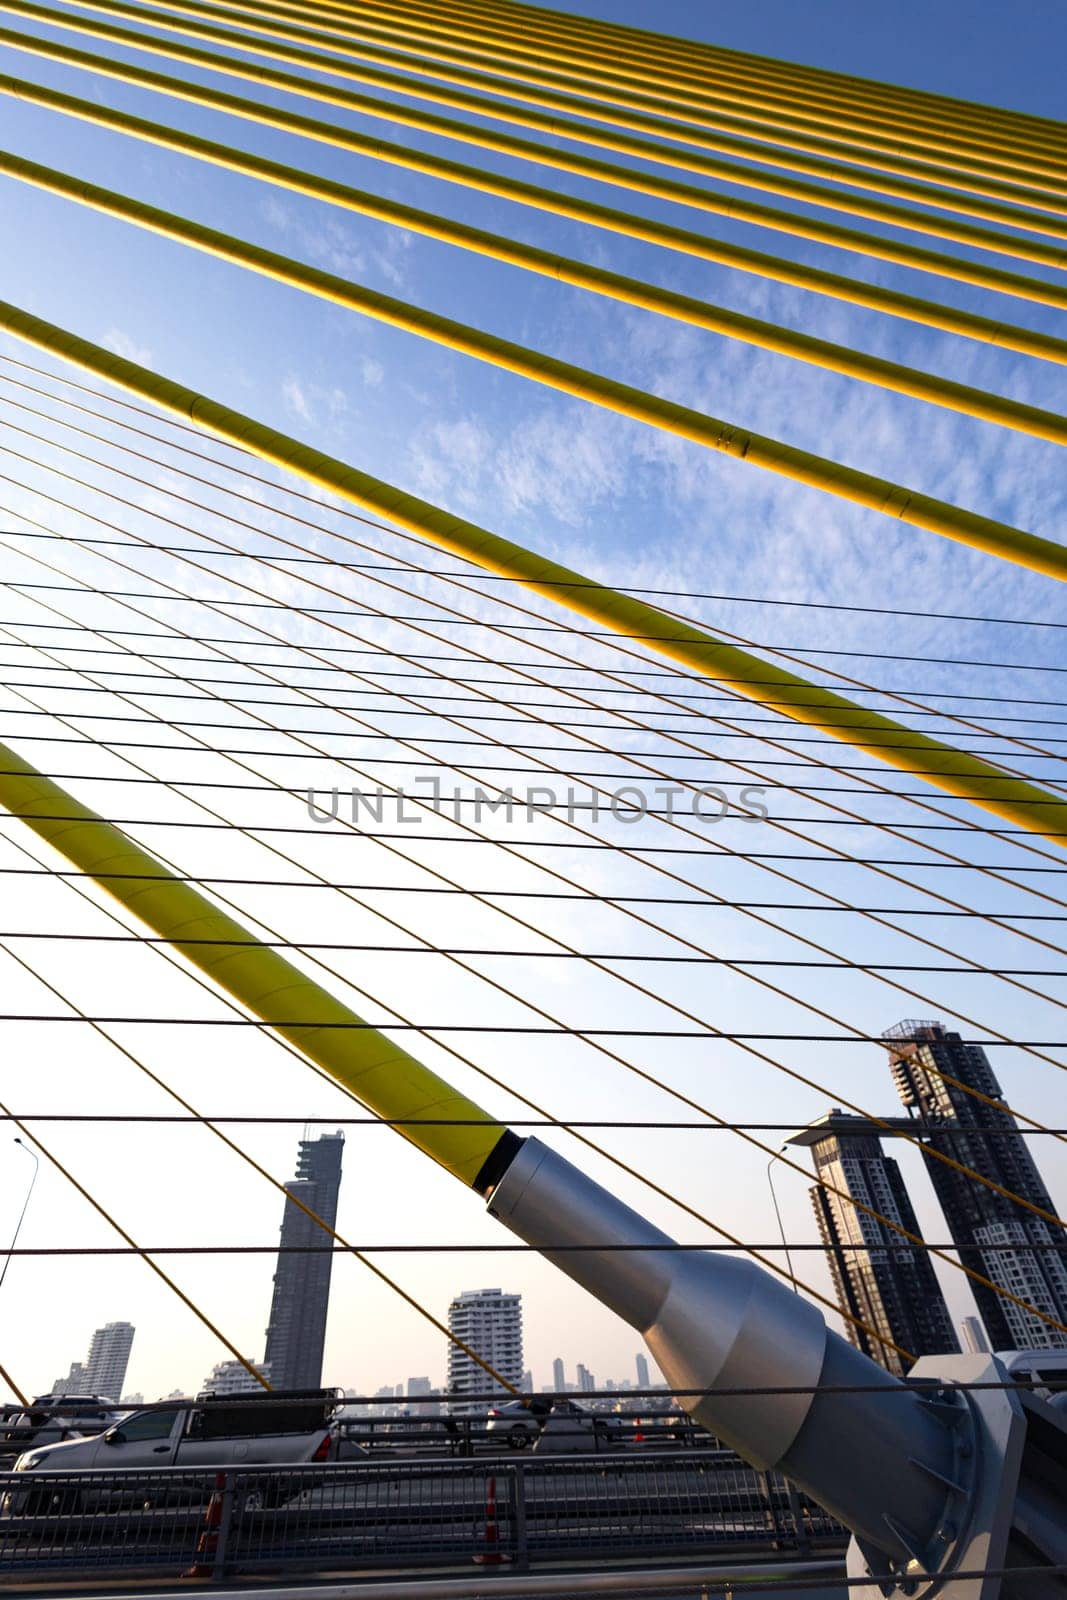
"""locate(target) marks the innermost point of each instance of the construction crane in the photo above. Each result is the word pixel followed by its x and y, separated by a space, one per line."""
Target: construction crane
pixel 952 1481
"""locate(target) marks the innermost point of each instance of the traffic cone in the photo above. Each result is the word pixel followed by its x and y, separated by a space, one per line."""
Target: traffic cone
pixel 208 1543
pixel 492 1555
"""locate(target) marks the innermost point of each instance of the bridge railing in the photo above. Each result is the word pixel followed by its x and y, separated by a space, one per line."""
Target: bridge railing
pixel 242 1521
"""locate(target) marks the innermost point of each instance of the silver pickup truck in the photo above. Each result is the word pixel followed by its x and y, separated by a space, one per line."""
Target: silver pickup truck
pixel 289 1428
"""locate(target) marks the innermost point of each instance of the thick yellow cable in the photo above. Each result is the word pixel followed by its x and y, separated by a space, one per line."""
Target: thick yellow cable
pixel 630 291
pixel 949 319
pixel 803 466
pixel 833 96
pixel 967 776
pixel 6 1377
pixel 827 156
pixel 696 107
pixel 381 1074
pixel 599 137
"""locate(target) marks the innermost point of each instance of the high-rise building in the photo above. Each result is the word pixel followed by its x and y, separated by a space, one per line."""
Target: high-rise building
pixel 559 1376
pixel 586 1381
pixel 76 1381
pixel 1005 1242
pixel 297 1332
pixel 490 1323
pixel 233 1377
pixel 419 1386
pixel 109 1356
pixel 893 1290
pixel 641 1362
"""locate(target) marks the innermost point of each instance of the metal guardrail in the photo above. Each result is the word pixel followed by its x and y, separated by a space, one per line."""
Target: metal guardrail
pixel 334 1518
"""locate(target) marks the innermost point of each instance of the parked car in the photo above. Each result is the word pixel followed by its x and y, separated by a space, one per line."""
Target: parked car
pixel 291 1428
pixel 525 1423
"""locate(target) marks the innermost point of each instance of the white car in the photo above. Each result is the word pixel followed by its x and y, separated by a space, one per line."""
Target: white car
pixel 288 1429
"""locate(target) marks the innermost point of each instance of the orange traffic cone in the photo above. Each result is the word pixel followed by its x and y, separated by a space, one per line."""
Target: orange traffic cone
pixel 492 1555
pixel 208 1543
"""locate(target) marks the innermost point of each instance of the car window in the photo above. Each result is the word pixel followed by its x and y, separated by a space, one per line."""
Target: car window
pixel 148 1425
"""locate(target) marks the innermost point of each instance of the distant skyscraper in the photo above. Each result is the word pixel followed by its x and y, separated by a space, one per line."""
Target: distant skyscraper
pixel 232 1377
pixel 974 1338
pixel 297 1332
pixel 893 1290
pixel 109 1356
pixel 559 1376
pixel 994 1236
pixel 417 1386
pixel 490 1322
pixel 641 1363
pixel 586 1381
pixel 527 1382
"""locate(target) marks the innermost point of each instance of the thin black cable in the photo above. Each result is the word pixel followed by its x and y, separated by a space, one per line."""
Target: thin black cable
pixel 327 832
pixel 474 573
pixel 555 1030
pixel 337 733
pixel 595 806
pixel 887 691
pixel 383 650
pixel 778 721
pixel 533 955
pixel 564 1124
pixel 711 758
pixel 523 627
pixel 479 1249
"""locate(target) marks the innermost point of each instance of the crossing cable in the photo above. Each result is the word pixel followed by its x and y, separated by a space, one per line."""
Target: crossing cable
pixel 582 1137
pixel 984 184
pixel 407 72
pixel 872 296
pixel 250 1161
pixel 907 882
pixel 799 882
pixel 511 604
pixel 122 1232
pixel 695 649
pixel 757 81
pixel 690 1016
pixel 848 483
pixel 821 353
pixel 470 571
pixel 978 274
pixel 128 450
pixel 318 527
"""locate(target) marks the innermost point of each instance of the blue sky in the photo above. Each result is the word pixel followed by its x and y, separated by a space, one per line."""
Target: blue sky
pixel 604 494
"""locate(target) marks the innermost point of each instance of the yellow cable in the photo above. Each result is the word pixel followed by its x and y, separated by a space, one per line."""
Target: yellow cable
pixel 814 156
pixel 694 104
pixel 6 1377
pixel 378 1072
pixel 630 291
pixel 949 319
pixel 936 516
pixel 967 776
pixel 802 226
pixel 831 94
